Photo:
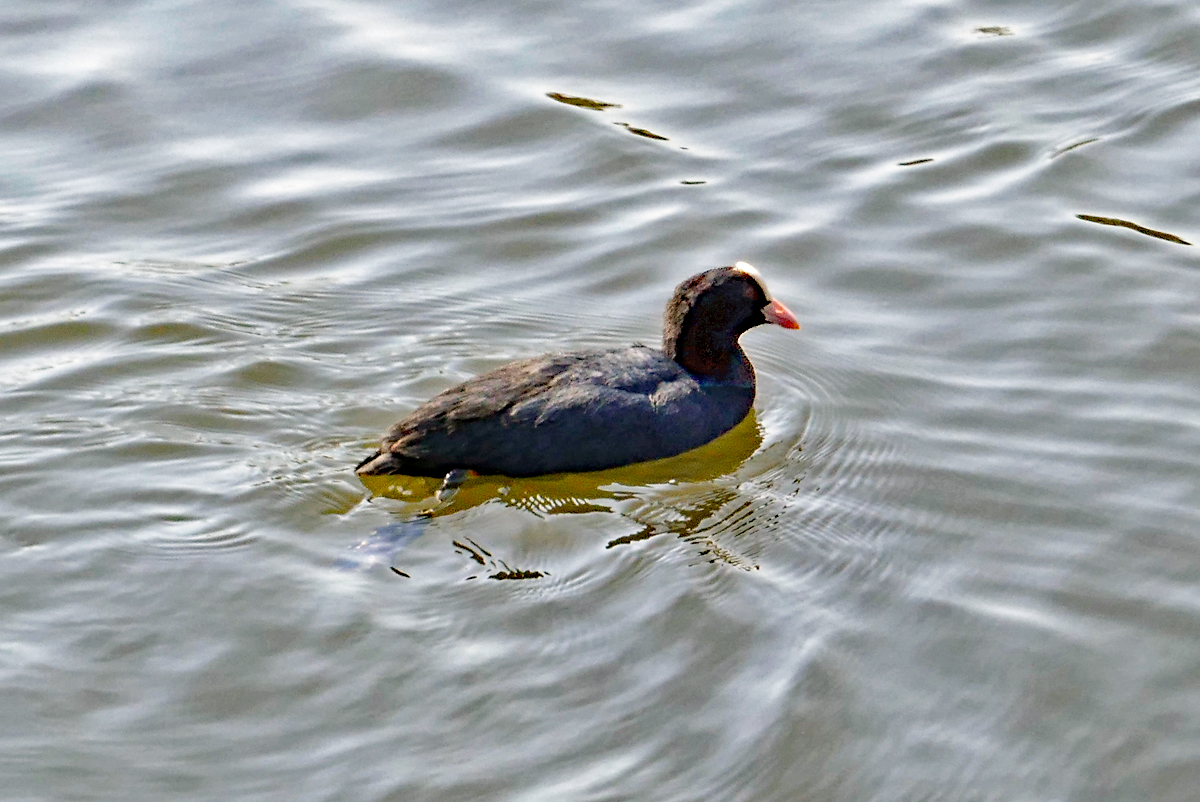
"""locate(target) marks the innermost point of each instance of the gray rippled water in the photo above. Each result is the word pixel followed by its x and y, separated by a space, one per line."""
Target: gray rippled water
pixel 953 555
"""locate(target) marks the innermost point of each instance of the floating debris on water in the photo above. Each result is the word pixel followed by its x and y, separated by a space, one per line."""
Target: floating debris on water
pixel 994 30
pixel 1061 151
pixel 1150 232
pixel 582 102
pixel 914 161
pixel 643 132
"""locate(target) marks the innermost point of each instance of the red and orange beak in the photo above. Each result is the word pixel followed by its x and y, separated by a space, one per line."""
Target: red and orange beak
pixel 780 315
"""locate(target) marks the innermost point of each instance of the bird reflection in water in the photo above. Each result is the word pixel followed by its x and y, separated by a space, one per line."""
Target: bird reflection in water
pixel 673 496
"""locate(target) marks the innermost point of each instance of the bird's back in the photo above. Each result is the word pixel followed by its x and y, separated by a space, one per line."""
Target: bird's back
pixel 579 411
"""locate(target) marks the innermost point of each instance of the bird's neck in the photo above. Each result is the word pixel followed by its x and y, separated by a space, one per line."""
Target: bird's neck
pixel 713 356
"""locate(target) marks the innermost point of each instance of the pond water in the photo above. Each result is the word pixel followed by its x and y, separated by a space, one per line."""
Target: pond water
pixel 954 555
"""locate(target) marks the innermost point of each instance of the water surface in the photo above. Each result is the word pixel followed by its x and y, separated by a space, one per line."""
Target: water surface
pixel 954 556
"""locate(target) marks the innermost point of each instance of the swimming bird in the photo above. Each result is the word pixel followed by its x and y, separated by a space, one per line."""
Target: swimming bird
pixel 592 410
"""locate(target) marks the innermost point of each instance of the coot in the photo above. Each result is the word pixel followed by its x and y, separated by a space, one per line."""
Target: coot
pixel 591 410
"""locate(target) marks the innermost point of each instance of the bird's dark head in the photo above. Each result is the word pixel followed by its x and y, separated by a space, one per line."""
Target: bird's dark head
pixel 710 310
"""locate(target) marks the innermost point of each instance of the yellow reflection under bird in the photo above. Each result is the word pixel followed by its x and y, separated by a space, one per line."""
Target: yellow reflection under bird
pixel 576 492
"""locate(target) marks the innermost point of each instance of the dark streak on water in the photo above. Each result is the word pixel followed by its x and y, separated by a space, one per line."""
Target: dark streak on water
pixel 1150 232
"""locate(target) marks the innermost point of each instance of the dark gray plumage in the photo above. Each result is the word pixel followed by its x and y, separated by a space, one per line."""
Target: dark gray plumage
pixel 591 410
